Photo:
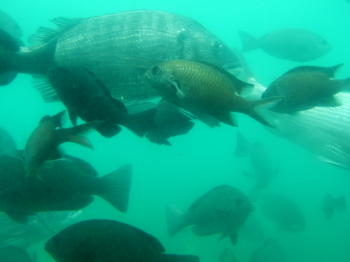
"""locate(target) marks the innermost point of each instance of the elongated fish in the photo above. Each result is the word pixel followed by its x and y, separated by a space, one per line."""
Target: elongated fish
pixel 118 48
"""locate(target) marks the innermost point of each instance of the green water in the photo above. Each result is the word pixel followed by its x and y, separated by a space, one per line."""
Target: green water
pixel 204 158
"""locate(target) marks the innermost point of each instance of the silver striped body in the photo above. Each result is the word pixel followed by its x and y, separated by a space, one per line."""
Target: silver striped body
pixel 120 47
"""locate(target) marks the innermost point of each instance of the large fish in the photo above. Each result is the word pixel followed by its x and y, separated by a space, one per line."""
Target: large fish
pixel 294 44
pixel 222 210
pixel 8 24
pixel 119 47
pixel 107 241
pixel 64 185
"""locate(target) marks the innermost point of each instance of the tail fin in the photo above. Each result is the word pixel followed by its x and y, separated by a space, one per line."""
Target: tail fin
pixel 248 42
pixel 115 187
pixel 263 102
pixel 140 123
pixel 73 134
pixel 175 220
pixel 179 258
pixel 8 48
pixel 242 146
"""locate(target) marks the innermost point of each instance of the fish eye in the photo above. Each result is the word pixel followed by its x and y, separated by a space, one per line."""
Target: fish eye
pixel 155 70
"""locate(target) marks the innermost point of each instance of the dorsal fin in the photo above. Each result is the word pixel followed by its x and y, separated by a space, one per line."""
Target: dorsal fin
pixel 329 71
pixel 45 34
pixel 239 84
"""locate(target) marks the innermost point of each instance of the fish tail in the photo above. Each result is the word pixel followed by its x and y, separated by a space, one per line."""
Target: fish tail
pixel 179 258
pixel 8 54
pixel 267 102
pixel 74 134
pixel 249 42
pixel 115 187
pixel 175 220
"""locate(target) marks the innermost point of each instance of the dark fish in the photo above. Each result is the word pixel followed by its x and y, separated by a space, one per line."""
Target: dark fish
pixel 203 89
pixel 292 44
pixel 284 212
pixel 167 122
pixel 263 166
pixel 270 251
pixel 7 144
pixel 14 254
pixel 38 228
pixel 8 24
pixel 44 141
pixel 332 204
pixel 305 87
pixel 65 184
pixel 227 255
pixel 108 241
pixel 119 48
pixel 222 210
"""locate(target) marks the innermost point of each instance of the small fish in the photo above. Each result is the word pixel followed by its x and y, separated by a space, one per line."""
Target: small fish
pixel 222 210
pixel 284 212
pixel 305 87
pixel 14 254
pixel 263 166
pixel 270 251
pixel 203 89
pixel 107 241
pixel 44 141
pixel 65 184
pixel 332 204
pixel 297 45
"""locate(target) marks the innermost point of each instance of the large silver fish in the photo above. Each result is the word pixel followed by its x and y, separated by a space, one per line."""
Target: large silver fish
pixel 119 48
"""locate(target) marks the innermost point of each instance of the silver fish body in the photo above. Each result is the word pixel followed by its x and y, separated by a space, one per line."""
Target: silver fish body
pixel 119 48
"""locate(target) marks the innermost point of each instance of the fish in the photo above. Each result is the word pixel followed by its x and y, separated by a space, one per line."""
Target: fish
pixel 331 204
pixel 294 44
pixel 66 184
pixel 9 25
pixel 204 89
pixel 14 254
pixel 222 210
pixel 263 166
pixel 103 240
pixel 305 87
pixel 227 255
pixel 139 39
pixel 284 212
pixel 43 142
pixel 270 250
pixel 37 229
pixel 7 144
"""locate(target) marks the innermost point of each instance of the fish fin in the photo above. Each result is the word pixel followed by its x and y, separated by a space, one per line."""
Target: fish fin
pixel 242 146
pixel 57 119
pixel 178 258
pixel 248 42
pixel 80 140
pixel 227 118
pixel 175 219
pixel 266 102
pixel 45 34
pixel 108 129
pixel 19 217
pixel 179 93
pixel 330 71
pixel 46 90
pixel 234 238
pixel 140 123
pixel 329 101
pixel 8 48
pixel 73 134
pixel 115 187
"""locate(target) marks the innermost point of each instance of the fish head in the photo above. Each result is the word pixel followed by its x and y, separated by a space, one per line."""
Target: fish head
pixel 162 78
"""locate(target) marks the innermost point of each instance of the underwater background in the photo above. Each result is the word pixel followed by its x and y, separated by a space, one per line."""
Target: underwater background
pixel 204 158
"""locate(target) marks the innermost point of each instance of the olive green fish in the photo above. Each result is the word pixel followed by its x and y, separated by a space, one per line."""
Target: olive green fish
pixel 44 141
pixel 305 87
pixel 204 90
